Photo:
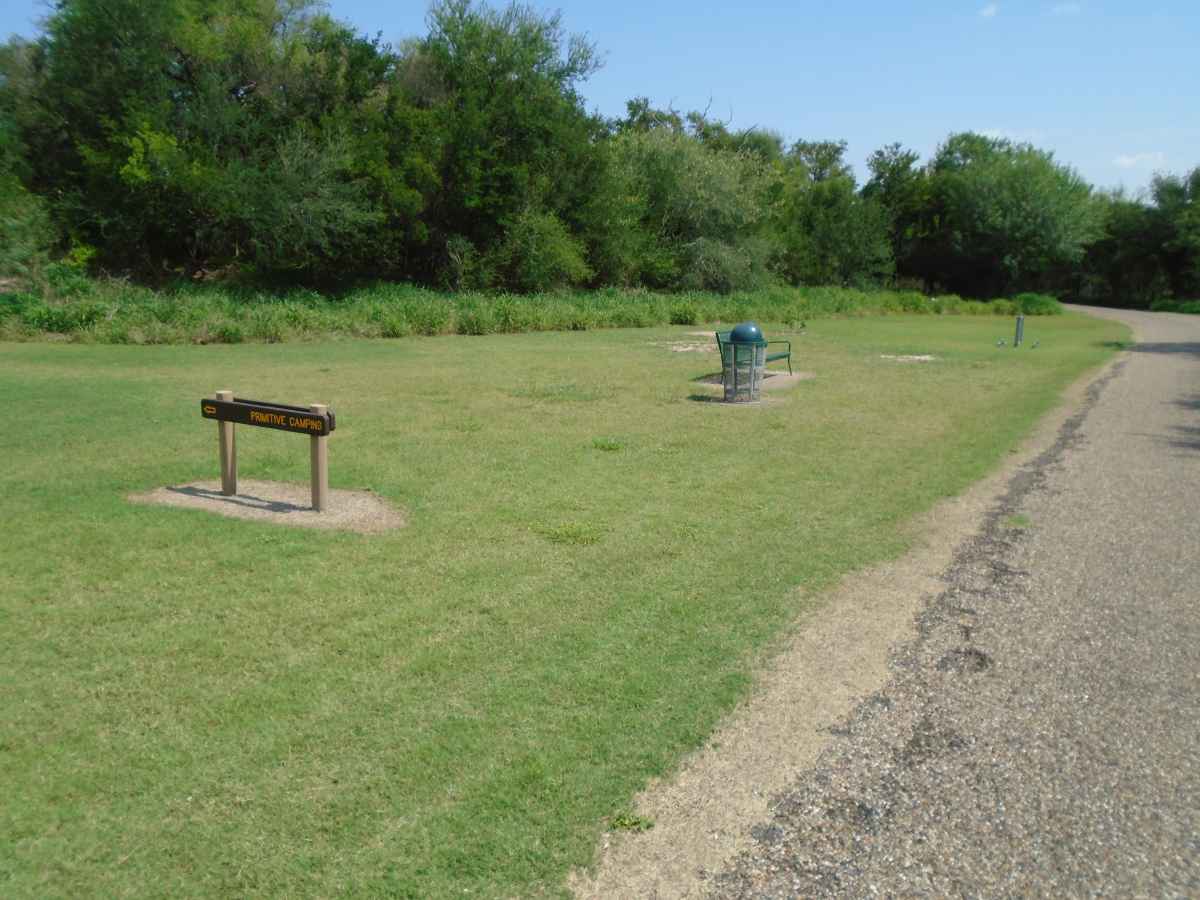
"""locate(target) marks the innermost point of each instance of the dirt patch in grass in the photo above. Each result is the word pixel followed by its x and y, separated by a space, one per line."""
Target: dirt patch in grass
pixel 772 381
pixel 282 503
pixel 686 346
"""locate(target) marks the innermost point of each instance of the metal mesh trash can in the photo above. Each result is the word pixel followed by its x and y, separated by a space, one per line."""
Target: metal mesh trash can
pixel 743 363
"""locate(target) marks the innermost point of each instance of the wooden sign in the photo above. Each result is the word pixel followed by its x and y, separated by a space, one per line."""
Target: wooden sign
pixel 299 419
pixel 317 421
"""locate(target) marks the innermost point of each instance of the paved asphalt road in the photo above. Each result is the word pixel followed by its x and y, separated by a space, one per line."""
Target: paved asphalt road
pixel 1041 736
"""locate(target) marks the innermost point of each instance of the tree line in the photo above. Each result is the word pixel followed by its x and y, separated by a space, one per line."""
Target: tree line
pixel 182 137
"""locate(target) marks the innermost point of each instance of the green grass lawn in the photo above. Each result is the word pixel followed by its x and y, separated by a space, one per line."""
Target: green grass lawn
pixel 194 705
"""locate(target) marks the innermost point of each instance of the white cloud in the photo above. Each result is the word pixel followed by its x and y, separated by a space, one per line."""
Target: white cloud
pixel 1140 160
pixel 1066 9
pixel 989 11
pixel 1018 136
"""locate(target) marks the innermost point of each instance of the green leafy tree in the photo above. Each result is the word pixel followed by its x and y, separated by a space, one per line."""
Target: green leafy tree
pixel 197 132
pixel 514 135
pixel 767 146
pixel 25 233
pixel 641 116
pixel 828 233
pixel 1177 218
pixel 901 186
pixel 612 219
pixel 832 235
pixel 1003 217
pixel 176 135
pixel 102 71
pixel 820 160
pixel 1124 264
pixel 700 214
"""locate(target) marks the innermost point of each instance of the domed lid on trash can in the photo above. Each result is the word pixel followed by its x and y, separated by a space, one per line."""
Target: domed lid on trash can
pixel 747 333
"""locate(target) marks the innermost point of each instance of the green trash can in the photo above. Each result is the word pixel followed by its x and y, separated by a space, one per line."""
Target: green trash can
pixel 744 363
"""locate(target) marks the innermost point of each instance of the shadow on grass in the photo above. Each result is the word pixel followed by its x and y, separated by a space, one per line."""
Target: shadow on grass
pixel 712 379
pixel 246 500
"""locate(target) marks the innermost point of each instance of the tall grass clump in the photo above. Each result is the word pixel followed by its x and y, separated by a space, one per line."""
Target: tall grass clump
pixel 118 312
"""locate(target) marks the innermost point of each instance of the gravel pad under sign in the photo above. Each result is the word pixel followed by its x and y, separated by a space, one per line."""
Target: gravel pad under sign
pixel 283 503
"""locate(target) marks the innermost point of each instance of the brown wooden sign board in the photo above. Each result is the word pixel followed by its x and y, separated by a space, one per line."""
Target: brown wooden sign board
pixel 299 419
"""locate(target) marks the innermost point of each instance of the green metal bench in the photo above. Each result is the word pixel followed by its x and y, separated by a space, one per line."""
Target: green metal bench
pixel 723 345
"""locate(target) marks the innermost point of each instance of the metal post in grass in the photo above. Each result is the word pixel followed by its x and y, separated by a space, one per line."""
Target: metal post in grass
pixel 228 441
pixel 1020 335
pixel 318 447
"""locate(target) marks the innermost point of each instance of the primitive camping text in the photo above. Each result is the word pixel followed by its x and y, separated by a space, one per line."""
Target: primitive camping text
pixel 268 415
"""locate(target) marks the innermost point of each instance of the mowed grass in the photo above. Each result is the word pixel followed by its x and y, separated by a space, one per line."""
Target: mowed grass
pixel 595 563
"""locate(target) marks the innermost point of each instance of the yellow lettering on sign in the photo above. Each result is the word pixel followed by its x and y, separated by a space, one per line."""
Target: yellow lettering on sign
pixel 306 423
pixel 211 410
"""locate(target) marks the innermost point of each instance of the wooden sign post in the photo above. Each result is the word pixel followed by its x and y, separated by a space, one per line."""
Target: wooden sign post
pixel 317 421
pixel 228 439
pixel 319 456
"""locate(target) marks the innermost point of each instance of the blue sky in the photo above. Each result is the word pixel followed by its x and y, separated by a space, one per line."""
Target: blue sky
pixel 1113 88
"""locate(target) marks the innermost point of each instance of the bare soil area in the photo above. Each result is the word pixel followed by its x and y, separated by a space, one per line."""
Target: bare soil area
pixel 772 381
pixel 283 504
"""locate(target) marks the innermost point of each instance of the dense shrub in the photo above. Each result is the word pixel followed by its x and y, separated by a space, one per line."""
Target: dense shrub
pixel 25 230
pixel 830 234
pixel 1038 305
pixel 62 318
pixel 699 213
pixel 14 303
pixel 538 254
pixel 684 312
pixel 712 265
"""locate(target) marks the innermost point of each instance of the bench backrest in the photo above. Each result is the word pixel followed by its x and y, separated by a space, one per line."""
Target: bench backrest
pixel 723 345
